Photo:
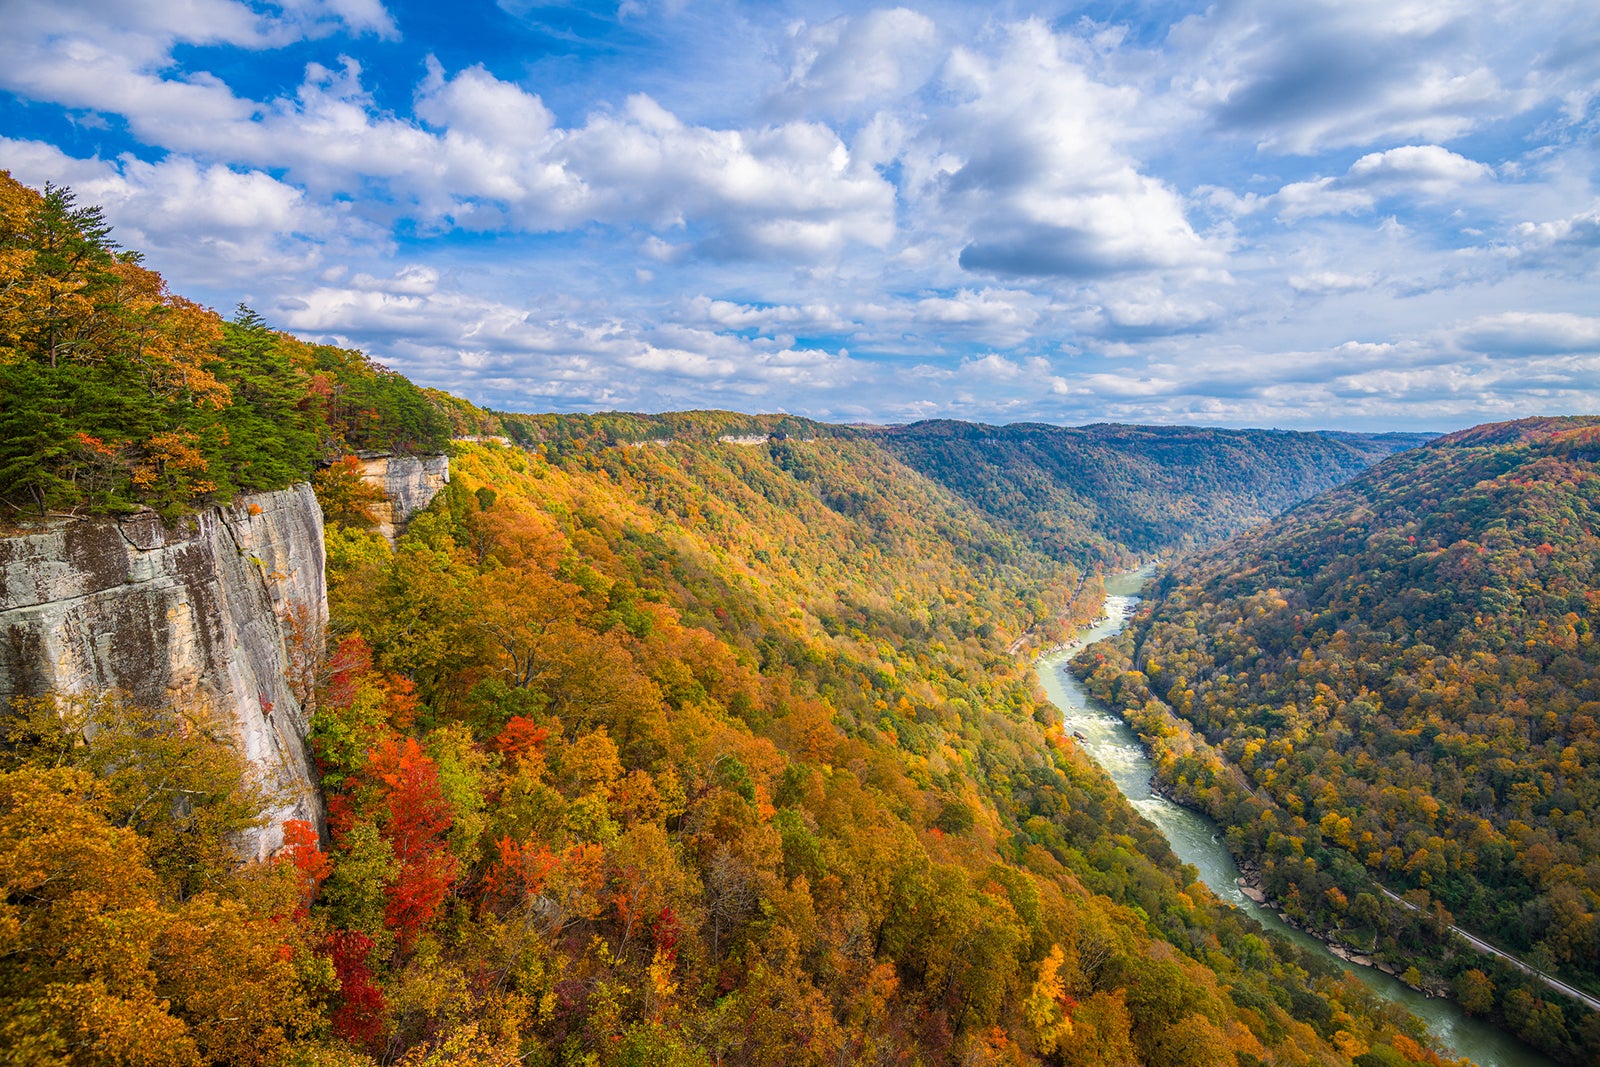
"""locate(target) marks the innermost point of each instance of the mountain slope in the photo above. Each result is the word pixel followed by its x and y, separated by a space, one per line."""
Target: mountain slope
pixel 1103 493
pixel 1405 670
pixel 772 702
pixel 1110 491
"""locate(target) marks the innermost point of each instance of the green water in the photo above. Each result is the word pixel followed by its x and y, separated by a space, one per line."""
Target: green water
pixel 1196 841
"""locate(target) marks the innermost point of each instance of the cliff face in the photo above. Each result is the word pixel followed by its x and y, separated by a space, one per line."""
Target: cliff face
pixel 408 483
pixel 222 612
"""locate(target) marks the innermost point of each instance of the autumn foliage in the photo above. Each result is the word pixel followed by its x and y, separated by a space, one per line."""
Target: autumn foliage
pixel 1398 688
pixel 116 393
pixel 637 747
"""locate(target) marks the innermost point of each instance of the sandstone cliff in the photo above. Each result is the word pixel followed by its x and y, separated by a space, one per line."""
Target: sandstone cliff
pixel 408 483
pixel 221 611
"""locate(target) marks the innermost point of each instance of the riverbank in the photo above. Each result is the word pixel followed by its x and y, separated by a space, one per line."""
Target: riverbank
pixel 1252 884
pixel 1107 739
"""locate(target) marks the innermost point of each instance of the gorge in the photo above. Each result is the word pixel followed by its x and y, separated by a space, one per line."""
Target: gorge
pixel 694 738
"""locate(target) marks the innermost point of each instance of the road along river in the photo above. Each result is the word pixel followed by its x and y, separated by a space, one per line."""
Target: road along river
pixel 1196 840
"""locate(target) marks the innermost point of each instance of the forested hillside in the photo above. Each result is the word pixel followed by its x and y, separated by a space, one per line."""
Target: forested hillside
pixel 1105 493
pixel 727 764
pixel 1398 685
pixel 1111 491
pixel 116 392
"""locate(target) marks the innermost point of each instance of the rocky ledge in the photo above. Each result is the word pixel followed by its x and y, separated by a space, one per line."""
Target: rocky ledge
pixel 222 612
pixel 409 484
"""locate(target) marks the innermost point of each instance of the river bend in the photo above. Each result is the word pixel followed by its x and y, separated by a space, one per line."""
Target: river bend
pixel 1196 841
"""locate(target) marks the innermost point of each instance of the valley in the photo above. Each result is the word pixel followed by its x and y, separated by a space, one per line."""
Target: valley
pixel 351 723
pixel 1383 697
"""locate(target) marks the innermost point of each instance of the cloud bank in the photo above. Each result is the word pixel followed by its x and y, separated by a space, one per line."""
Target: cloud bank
pixel 1352 214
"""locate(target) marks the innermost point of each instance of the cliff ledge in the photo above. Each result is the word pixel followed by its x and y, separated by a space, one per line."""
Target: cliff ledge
pixel 223 611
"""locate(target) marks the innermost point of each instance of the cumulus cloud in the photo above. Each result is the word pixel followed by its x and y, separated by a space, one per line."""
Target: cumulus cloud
pixel 1031 163
pixel 116 56
pixel 767 319
pixel 1569 242
pixel 481 153
pixel 493 350
pixel 1424 171
pixel 1145 311
pixel 146 29
pixel 791 188
pixel 1046 219
pixel 211 219
pixel 1304 77
pixel 997 368
pixel 1004 317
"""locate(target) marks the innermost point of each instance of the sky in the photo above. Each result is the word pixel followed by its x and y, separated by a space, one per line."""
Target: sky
pixel 1358 214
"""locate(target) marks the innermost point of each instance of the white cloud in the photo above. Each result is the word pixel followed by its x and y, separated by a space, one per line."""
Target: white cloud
pixel 791 188
pixel 490 156
pixel 478 106
pixel 1029 160
pixel 1427 172
pixel 1321 74
pixel 206 219
pixel 414 280
pixel 1568 242
pixel 1428 169
pixel 1003 317
pixel 846 62
pixel 1121 386
pixel 767 319
pixel 113 55
pixel 493 350
pixel 1331 281
pixel 1150 311
pixel 994 367
pixel 866 173
pixel 355 16
pixel 1517 333
pixel 144 30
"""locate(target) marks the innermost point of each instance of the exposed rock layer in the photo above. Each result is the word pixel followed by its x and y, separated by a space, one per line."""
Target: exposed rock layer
pixel 409 483
pixel 221 612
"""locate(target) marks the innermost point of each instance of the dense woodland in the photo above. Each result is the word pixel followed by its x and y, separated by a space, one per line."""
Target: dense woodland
pixel 1106 493
pixel 1128 492
pixel 1398 685
pixel 116 393
pixel 638 747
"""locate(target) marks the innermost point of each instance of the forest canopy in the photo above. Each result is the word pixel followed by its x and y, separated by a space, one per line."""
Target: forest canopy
pixel 685 739
pixel 1396 687
pixel 116 393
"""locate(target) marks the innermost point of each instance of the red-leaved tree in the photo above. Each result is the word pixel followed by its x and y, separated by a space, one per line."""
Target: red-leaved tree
pixel 414 818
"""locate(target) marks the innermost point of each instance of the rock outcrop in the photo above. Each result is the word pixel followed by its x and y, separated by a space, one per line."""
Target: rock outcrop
pixel 223 611
pixel 409 483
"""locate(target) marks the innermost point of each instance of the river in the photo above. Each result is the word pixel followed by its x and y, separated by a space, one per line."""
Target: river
pixel 1196 841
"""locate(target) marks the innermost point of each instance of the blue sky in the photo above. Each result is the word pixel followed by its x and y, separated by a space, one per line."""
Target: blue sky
pixel 1355 214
